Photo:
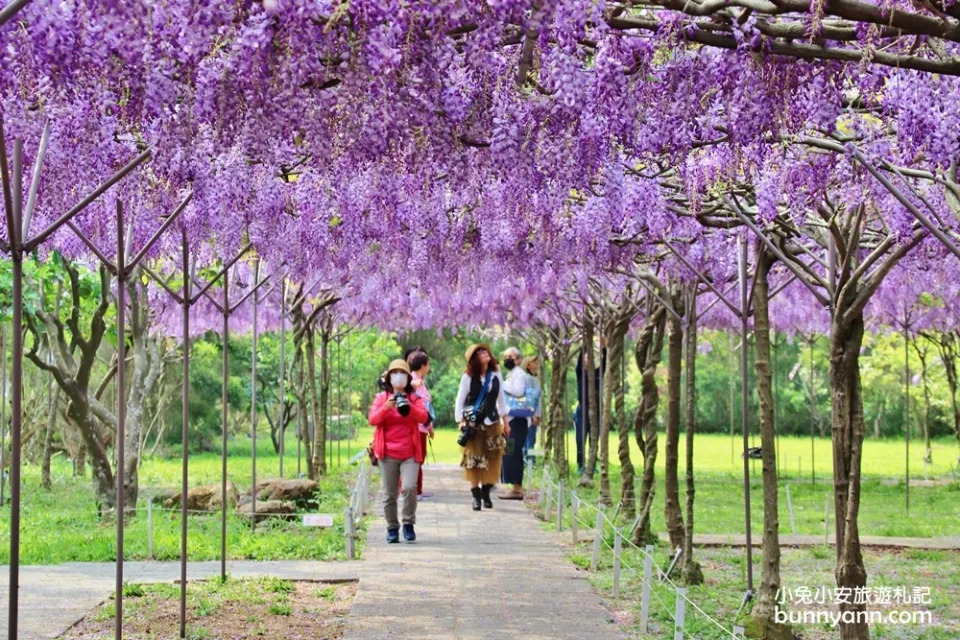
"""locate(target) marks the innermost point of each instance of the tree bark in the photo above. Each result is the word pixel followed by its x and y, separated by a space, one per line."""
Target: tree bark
pixel 45 480
pixel 922 355
pixel 647 353
pixel 588 377
pixel 146 373
pixel 846 403
pixel 614 332
pixel 614 399
pixel 628 494
pixel 320 442
pixel 764 610
pixel 671 483
pixel 692 573
pixel 948 353
pixel 72 375
pixel 558 413
pixel 314 453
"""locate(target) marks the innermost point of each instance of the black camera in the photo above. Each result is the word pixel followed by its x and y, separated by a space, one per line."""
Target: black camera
pixel 466 434
pixel 469 426
pixel 403 405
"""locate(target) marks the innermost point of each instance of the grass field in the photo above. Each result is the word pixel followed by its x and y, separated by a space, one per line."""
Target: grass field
pixel 62 525
pixel 718 599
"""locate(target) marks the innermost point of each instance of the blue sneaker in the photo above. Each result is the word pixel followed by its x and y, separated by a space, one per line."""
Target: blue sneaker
pixel 393 535
pixel 408 533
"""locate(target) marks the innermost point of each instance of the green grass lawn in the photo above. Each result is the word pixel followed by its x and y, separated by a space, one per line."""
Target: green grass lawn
pixel 62 525
pixel 718 599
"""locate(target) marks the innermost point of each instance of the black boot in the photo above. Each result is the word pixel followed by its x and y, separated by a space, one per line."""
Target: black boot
pixel 476 498
pixel 485 493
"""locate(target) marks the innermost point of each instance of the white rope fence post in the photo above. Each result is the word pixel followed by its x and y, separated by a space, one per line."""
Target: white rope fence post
pixel 150 528
pixel 617 549
pixel 647 576
pixel 793 522
pixel 574 516
pixel 680 613
pixel 349 531
pixel 826 521
pixel 543 492
pixel 560 505
pixel 597 538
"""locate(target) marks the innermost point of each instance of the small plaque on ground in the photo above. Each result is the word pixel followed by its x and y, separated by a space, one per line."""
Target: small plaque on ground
pixel 318 520
pixel 537 453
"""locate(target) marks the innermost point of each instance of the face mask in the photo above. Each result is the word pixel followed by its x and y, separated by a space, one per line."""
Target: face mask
pixel 398 380
pixel 509 363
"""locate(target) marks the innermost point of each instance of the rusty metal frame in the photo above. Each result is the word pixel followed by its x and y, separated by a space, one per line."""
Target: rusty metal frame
pixel 16 246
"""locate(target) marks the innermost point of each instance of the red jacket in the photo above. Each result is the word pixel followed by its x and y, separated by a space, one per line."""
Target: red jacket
pixel 385 418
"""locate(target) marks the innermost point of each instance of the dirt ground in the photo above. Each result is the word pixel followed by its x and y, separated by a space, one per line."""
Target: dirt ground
pixel 241 609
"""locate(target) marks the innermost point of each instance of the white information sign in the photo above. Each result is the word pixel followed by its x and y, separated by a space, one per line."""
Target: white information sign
pixel 318 520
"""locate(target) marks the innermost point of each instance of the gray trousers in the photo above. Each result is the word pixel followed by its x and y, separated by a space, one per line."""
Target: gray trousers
pixel 392 471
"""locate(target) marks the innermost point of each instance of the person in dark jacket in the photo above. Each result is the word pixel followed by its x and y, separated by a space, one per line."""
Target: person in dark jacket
pixel 581 415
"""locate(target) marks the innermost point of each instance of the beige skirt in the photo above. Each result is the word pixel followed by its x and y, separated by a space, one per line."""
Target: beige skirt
pixel 483 455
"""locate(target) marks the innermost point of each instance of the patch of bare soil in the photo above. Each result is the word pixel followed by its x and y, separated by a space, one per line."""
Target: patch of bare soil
pixel 240 609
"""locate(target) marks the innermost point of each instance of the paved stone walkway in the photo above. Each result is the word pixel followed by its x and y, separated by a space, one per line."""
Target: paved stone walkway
pixel 53 598
pixel 488 575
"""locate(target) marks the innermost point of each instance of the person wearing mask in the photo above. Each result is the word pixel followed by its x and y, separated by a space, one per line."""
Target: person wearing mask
pixel 419 363
pixel 481 410
pixel 531 364
pixel 581 415
pixel 395 415
pixel 515 388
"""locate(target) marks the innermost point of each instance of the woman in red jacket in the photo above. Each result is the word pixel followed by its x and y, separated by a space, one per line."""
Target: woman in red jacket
pixel 395 414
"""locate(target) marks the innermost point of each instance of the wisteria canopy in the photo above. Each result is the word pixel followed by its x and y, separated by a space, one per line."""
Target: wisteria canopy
pixel 440 162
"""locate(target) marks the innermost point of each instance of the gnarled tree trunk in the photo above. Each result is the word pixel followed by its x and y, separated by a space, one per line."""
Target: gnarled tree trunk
pixel 647 353
pixel 692 574
pixel 846 402
pixel 588 376
pixel 558 419
pixel 765 608
pixel 671 483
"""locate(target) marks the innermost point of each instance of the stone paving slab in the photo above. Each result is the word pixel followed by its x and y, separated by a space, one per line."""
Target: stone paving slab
pixel 54 597
pixel 488 575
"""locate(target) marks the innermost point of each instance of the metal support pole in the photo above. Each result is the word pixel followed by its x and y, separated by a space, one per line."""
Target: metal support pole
pixel 121 414
pixel 339 399
pixel 906 407
pixel 283 368
pixel 732 387
pixel 3 413
pixel 680 613
pixel 647 577
pixel 617 550
pixel 742 269
pixel 185 431
pixel 14 219
pixel 225 415
pixel 597 537
pixel 350 395
pixel 813 403
pixel 253 399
